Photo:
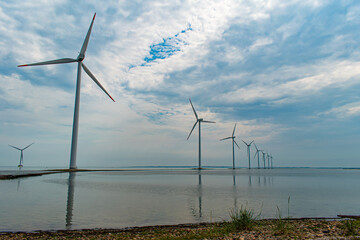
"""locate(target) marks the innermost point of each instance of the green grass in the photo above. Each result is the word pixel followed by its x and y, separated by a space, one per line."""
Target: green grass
pixel 242 219
pixel 282 227
pixel 351 227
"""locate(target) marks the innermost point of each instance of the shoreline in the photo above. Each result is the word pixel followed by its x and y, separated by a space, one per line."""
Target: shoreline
pixel 302 228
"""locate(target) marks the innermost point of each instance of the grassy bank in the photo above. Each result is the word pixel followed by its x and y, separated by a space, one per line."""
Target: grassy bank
pixel 257 229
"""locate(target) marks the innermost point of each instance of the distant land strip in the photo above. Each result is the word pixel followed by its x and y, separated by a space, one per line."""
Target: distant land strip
pixel 52 171
pixel 14 176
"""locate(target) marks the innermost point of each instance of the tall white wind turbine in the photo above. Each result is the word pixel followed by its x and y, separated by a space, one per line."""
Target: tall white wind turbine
pixel 258 155
pixel 198 120
pixel 233 143
pixel 21 154
pixel 79 60
pixel 248 149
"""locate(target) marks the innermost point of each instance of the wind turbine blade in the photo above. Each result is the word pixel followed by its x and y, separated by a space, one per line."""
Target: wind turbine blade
pixel 234 130
pixel 86 41
pixel 15 147
pixel 225 138
pixel 256 147
pixel 192 130
pixel 251 142
pixel 193 110
pixel 208 121
pixel 236 144
pixel 95 80
pixel 27 146
pixel 57 61
pixel 244 142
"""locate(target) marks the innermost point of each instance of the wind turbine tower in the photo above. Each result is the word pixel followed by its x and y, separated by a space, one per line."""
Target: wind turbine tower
pixel 21 154
pixel 80 65
pixel 257 153
pixel 248 149
pixel 233 144
pixel 264 153
pixel 198 120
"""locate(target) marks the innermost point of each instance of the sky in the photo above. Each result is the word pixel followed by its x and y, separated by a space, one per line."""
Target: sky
pixel 287 72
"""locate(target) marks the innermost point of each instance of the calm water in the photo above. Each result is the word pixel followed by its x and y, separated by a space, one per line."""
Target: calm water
pixel 151 197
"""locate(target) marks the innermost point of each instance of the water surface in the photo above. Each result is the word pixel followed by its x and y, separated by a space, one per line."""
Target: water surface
pixel 151 197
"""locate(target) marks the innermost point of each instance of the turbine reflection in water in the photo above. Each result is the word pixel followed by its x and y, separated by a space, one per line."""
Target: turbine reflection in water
pixel 70 200
pixel 197 213
pixel 234 190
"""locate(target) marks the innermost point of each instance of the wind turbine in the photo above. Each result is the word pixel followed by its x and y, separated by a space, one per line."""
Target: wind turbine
pixel 268 159
pixel 264 153
pixel 248 149
pixel 79 60
pixel 21 154
pixel 198 120
pixel 233 142
pixel 257 153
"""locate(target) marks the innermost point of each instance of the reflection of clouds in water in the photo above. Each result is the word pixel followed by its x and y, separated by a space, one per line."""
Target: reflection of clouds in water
pixel 114 201
pixel 142 182
pixel 232 187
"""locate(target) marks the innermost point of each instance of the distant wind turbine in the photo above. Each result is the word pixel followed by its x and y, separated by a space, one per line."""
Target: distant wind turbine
pixel 21 154
pixel 264 153
pixel 233 143
pixel 198 120
pixel 79 60
pixel 257 153
pixel 248 149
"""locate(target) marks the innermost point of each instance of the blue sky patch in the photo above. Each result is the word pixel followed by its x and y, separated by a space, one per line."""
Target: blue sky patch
pixel 167 48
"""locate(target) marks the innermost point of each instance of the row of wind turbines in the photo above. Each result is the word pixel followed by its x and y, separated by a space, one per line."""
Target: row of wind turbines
pixel 74 139
pixel 232 137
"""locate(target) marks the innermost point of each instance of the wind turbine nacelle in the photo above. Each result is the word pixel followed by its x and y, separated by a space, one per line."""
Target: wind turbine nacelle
pixel 81 57
pixel 201 119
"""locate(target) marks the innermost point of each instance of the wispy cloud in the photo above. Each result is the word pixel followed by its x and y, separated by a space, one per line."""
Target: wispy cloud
pixel 344 111
pixel 339 74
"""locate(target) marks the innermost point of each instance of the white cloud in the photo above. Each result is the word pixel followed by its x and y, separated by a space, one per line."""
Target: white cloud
pixel 207 19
